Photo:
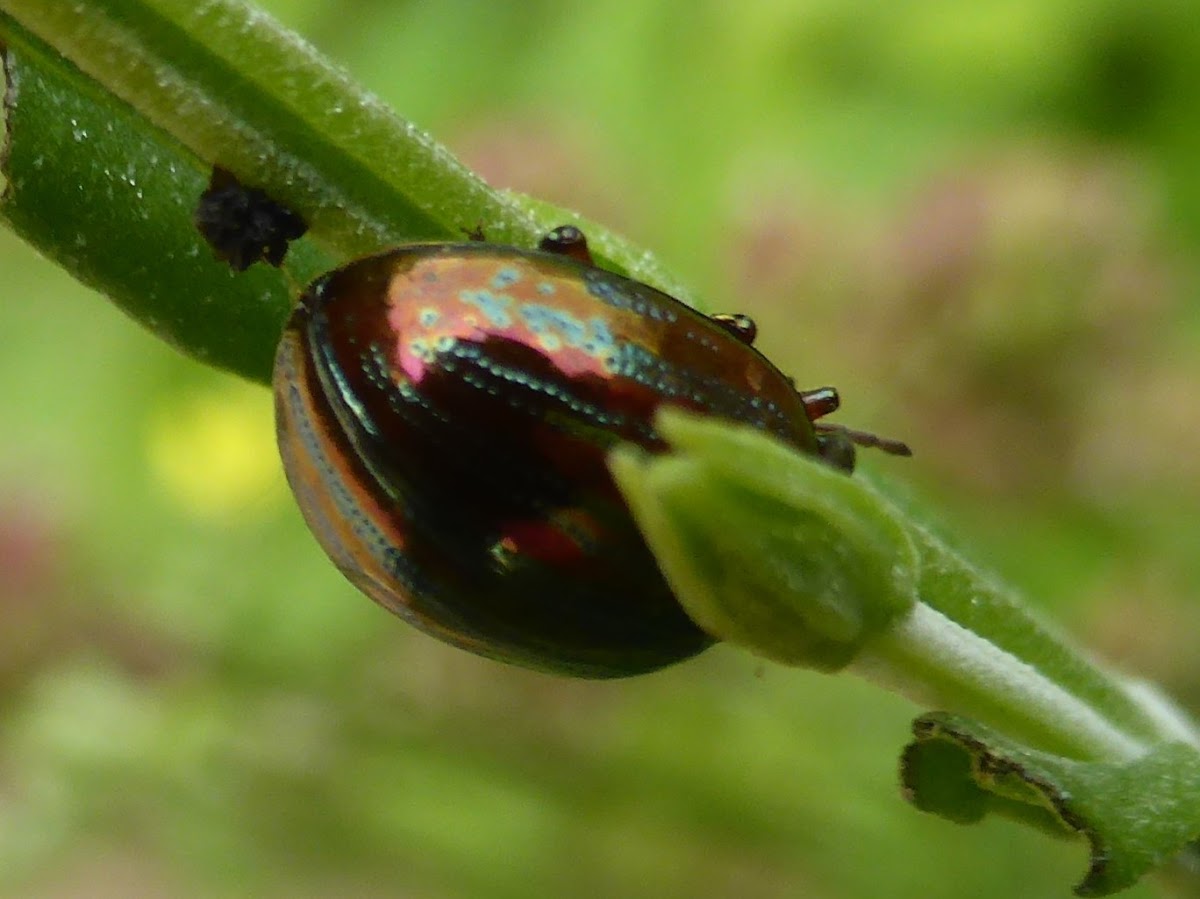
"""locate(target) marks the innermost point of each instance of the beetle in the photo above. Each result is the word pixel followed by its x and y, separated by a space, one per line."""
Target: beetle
pixel 444 412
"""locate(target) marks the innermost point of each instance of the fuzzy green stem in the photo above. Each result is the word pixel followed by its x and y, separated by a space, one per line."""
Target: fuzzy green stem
pixel 936 662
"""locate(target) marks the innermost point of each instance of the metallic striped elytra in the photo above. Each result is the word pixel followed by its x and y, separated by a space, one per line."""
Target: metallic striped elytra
pixel 444 412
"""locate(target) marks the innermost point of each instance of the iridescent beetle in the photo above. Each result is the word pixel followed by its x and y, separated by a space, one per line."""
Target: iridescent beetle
pixel 444 412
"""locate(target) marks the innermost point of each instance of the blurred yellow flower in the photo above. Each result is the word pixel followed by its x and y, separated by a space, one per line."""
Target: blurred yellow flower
pixel 213 451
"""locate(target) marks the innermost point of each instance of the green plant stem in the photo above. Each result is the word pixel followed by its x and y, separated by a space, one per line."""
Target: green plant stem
pixel 776 552
pixel 936 662
pixel 986 654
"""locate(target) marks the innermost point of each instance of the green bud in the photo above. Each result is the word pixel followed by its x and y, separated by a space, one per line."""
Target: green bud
pixel 765 547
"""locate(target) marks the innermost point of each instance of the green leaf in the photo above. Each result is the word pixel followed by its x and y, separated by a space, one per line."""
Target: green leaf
pixel 234 87
pixel 110 198
pixel 1136 815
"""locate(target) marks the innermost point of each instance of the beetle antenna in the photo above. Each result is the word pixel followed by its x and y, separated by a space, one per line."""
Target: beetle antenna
pixel 864 438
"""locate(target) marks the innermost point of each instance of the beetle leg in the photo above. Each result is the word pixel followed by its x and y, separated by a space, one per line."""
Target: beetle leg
pixel 567 240
pixel 837 441
pixel 820 402
pixel 867 439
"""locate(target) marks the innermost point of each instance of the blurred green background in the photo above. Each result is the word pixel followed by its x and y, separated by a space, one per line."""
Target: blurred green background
pixel 980 221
